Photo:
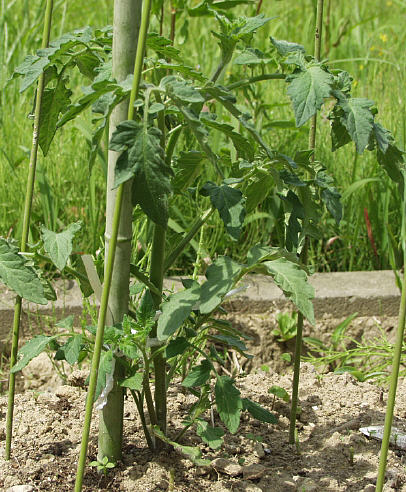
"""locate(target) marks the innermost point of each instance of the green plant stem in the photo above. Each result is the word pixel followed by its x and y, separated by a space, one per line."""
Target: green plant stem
pixel 26 228
pixel 140 408
pixel 183 243
pixel 156 277
pixel 296 366
pixel 396 360
pixel 110 259
pixel 304 253
pixel 253 80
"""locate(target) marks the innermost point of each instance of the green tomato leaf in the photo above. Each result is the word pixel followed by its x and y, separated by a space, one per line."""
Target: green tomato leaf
pixel 199 375
pixel 258 412
pixel 70 351
pixel 54 101
pixel 176 347
pixel 280 393
pixel 230 204
pixel 162 46
pixel 191 452
pixel 292 279
pixel 59 245
pixel 18 276
pixel 258 189
pixel 187 168
pixel 30 350
pixel 221 276
pixel 329 194
pixel 285 47
pixel 228 403
pixel 392 161
pixel 213 436
pixel 180 90
pixel 307 90
pixel 383 137
pixel 339 133
pixel 176 310
pixel 143 159
pixel 251 56
pixel 134 382
pixel 241 144
pixel 358 119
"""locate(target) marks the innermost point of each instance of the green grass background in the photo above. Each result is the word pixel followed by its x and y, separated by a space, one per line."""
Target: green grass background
pixel 367 38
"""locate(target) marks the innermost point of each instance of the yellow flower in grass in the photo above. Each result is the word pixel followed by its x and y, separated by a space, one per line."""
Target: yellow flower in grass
pixel 389 3
pixel 383 37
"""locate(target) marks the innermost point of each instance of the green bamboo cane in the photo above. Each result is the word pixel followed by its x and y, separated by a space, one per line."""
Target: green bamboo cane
pixel 127 15
pixel 303 255
pixel 396 358
pixel 26 228
pixel 110 259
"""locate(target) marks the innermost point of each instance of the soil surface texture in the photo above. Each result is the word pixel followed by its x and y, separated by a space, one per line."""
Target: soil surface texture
pixel 331 454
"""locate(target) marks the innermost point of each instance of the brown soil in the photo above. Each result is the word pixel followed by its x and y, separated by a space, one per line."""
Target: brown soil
pixel 332 455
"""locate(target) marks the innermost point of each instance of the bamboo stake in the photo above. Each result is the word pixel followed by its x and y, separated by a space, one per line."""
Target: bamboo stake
pixel 303 255
pixel 110 259
pixel 26 227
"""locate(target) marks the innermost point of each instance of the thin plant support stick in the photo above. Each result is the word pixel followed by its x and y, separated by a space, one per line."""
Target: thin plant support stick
pixel 26 227
pixel 303 255
pixel 396 359
pixel 127 15
pixel 110 259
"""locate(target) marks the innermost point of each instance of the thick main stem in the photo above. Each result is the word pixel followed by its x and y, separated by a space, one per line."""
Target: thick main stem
pixel 110 259
pixel 127 15
pixel 303 256
pixel 396 360
pixel 26 227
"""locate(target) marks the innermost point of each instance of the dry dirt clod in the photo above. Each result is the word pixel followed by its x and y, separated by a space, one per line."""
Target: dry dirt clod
pixel 369 488
pixel 252 472
pixel 228 467
pixel 20 488
pixel 259 450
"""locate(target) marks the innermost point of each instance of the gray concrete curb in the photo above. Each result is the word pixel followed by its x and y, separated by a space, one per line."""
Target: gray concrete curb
pixel 338 294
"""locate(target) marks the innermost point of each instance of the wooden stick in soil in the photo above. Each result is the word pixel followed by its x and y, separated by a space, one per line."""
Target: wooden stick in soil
pixel 303 255
pixel 127 15
pixel 26 227
pixel 396 359
pixel 110 259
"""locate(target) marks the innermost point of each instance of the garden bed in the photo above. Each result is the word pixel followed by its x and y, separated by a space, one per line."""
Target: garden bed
pixel 332 456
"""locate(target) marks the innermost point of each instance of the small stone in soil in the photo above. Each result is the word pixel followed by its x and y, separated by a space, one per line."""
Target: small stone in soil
pixel 252 472
pixel 226 466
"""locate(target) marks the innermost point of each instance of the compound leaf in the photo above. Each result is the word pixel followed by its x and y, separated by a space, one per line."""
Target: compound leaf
pixel 221 276
pixel 358 120
pixel 290 277
pixel 54 102
pixel 213 436
pixel 18 276
pixel 30 350
pixel 230 204
pixel 228 403
pixel 143 159
pixel 176 310
pixel 307 90
pixel 199 375
pixel 258 412
pixel 59 245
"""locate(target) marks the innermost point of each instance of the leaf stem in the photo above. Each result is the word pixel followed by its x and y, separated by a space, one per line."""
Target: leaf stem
pixel 26 227
pixel 304 253
pixel 183 243
pixel 396 360
pixel 258 78
pixel 110 259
